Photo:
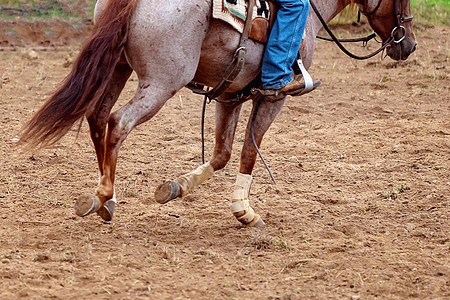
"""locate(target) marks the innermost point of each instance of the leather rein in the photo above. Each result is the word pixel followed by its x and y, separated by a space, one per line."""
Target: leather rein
pixel 239 58
pixel 398 12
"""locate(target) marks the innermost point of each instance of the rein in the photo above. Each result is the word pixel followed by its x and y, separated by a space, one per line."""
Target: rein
pixel 400 20
pixel 356 40
pixel 238 60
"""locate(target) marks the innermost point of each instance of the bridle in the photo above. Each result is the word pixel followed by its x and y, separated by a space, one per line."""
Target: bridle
pixel 399 15
pixel 398 12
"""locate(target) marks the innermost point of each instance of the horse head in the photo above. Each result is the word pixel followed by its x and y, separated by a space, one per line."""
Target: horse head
pixel 392 21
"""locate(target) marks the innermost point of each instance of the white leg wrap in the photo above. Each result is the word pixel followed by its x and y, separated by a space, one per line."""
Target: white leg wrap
pixel 240 206
pixel 190 181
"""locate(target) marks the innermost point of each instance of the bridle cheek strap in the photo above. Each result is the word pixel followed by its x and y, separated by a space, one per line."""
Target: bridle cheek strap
pixel 398 13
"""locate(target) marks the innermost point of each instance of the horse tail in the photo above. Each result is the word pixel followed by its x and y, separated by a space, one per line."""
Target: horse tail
pixel 86 83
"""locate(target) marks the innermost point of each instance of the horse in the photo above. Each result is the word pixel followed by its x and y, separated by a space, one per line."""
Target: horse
pixel 169 44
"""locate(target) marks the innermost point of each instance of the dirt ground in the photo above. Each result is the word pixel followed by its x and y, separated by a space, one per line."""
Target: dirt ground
pixel 360 211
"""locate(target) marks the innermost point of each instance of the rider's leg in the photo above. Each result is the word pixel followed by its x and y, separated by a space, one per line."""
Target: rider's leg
pixel 284 43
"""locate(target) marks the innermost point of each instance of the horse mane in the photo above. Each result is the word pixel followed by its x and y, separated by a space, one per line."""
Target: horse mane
pixel 350 7
pixel 87 80
pixel 354 3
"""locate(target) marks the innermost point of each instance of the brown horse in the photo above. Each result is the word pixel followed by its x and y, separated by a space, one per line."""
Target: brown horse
pixel 168 44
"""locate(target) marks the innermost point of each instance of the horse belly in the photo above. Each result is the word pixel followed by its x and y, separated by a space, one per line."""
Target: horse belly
pixel 217 52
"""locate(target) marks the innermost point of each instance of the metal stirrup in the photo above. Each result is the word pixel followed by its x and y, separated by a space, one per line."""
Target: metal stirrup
pixel 299 68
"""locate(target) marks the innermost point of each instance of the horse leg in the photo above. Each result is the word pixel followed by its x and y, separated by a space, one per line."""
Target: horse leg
pixel 151 95
pixel 144 105
pixel 240 206
pixel 227 115
pixel 163 66
pixel 97 120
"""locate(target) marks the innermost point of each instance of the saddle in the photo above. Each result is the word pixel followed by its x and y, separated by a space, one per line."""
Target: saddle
pixel 234 12
pixel 253 19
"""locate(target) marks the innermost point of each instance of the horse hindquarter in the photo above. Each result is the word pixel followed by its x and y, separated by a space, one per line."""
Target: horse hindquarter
pixel 163 47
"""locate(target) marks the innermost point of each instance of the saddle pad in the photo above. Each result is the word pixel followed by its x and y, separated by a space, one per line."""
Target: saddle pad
pixel 234 12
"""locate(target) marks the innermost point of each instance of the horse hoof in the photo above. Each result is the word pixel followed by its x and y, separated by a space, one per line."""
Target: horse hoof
pixel 256 222
pixel 167 191
pixel 259 223
pixel 106 212
pixel 86 205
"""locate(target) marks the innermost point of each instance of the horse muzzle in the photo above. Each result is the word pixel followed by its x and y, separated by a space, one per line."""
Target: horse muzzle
pixel 402 50
pixel 402 45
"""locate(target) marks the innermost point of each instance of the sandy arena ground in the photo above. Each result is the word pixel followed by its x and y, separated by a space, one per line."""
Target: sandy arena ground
pixel 361 209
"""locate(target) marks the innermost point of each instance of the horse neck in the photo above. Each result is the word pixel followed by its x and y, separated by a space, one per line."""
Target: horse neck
pixel 328 9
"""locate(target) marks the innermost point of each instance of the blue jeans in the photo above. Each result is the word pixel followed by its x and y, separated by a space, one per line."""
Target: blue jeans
pixel 284 43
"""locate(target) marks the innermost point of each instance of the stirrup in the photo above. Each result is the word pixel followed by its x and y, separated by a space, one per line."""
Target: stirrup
pixel 274 95
pixel 304 89
pixel 299 68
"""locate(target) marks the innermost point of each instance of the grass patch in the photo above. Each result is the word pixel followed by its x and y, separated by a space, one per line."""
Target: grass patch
pixel 431 12
pixel 396 193
pixel 47 8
